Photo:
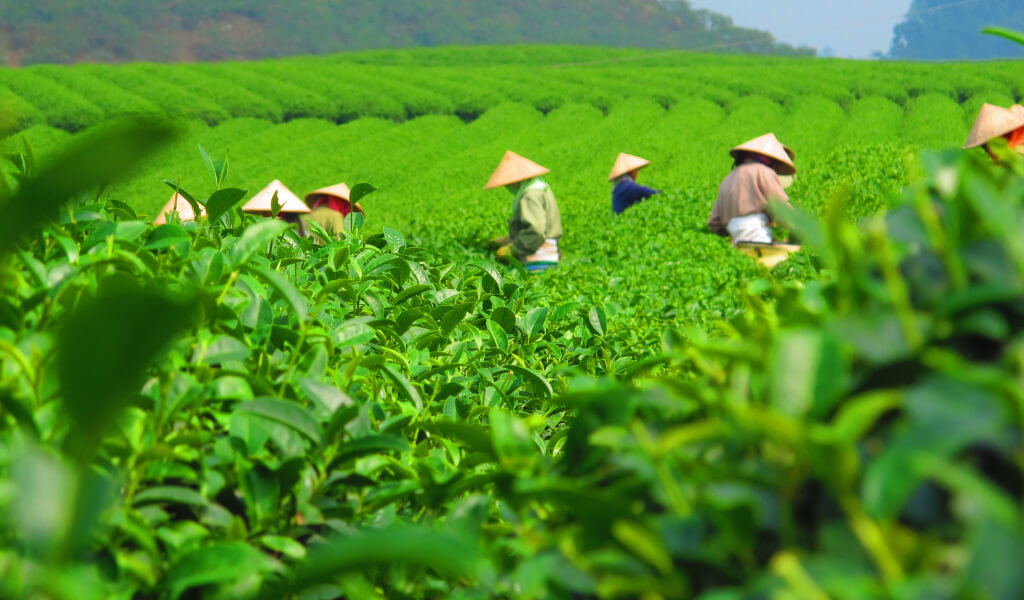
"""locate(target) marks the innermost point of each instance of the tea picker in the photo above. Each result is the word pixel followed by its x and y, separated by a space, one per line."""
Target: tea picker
pixel 996 122
pixel 290 204
pixel 762 170
pixel 536 224
pixel 330 207
pixel 625 191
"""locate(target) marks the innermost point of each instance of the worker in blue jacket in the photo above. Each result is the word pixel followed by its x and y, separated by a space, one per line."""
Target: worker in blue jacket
pixel 626 191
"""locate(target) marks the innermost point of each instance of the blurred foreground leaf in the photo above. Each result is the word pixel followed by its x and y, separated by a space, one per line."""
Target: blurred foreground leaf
pixel 1009 34
pixel 388 549
pixel 96 160
pixel 104 350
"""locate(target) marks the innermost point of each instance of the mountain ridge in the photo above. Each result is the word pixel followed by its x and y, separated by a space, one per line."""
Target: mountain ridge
pixel 66 31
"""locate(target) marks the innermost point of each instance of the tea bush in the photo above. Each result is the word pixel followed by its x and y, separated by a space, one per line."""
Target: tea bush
pixel 295 101
pixel 175 102
pixel 63 108
pixel 941 117
pixel 350 101
pixel 114 102
pixel 234 99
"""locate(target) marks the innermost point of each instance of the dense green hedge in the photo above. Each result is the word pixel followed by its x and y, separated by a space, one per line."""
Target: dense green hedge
pixel 62 106
pixel 468 81
pixel 175 102
pixel 113 101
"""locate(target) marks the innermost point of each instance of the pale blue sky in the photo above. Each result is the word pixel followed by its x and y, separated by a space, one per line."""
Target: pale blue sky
pixel 853 28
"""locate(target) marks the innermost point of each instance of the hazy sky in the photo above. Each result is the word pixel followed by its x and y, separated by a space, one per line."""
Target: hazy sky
pixel 852 28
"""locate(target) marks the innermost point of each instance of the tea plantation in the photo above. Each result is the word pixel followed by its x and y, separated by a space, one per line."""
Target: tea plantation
pixel 223 409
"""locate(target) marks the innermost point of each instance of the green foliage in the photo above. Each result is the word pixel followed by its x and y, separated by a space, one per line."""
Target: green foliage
pixel 850 123
pixel 224 409
pixel 291 369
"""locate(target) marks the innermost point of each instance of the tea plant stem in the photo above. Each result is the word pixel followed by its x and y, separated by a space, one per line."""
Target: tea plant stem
pixel 296 356
pixel 227 287
pixel 872 539
pixel 19 358
pixel 674 493
pixel 941 243
pixel 787 566
pixel 894 282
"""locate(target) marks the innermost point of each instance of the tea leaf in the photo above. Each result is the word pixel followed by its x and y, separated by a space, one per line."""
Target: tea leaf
pixel 223 201
pixel 222 562
pixel 256 239
pixel 388 548
pixel 169 494
pixel 286 413
pixel 360 191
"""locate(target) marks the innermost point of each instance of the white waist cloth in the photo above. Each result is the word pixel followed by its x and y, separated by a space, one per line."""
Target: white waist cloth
pixel 548 252
pixel 751 228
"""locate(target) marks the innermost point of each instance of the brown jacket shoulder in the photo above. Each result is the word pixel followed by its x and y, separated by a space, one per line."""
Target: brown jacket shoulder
pixel 745 191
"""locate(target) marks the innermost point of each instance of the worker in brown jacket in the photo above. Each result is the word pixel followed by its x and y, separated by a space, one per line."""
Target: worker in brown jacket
pixel 741 210
pixel 996 122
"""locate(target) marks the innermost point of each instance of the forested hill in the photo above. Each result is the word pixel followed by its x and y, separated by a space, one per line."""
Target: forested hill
pixel 65 31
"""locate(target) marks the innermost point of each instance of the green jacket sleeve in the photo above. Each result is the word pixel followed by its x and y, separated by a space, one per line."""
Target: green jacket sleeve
pixel 528 224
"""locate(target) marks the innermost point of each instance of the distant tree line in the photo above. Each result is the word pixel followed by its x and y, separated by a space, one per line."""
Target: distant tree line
pixel 65 31
pixel 948 30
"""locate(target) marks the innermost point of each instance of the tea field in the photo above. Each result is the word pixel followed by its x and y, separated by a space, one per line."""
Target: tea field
pixel 416 126
pixel 223 409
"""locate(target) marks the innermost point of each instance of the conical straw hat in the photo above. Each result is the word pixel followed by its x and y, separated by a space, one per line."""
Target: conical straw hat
pixel 178 204
pixel 994 121
pixel 627 163
pixel 335 191
pixel 290 203
pixel 770 146
pixel 513 169
pixel 338 191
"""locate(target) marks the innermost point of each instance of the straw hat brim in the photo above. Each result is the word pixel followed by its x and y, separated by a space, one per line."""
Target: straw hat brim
pixel 994 122
pixel 290 203
pixel 627 163
pixel 768 145
pixel 513 169
pixel 338 191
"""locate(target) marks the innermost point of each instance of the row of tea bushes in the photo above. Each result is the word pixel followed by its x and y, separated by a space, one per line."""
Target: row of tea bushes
pixel 348 86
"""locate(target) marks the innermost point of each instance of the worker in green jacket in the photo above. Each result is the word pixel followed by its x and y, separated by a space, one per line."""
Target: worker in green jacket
pixel 536 224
